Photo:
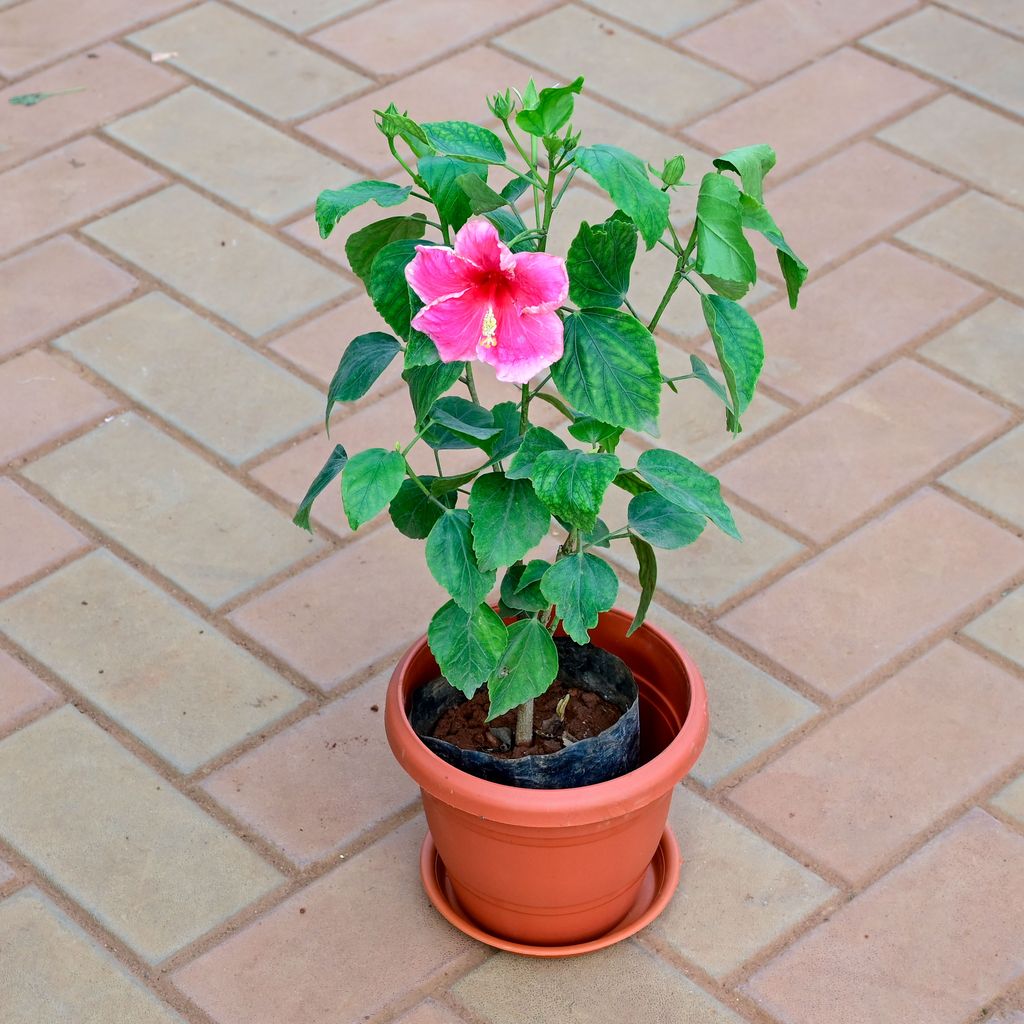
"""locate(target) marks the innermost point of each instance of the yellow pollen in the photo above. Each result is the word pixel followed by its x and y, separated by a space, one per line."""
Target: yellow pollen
pixel 487 330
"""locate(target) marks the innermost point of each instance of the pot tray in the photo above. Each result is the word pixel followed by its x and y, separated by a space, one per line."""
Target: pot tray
pixel 656 890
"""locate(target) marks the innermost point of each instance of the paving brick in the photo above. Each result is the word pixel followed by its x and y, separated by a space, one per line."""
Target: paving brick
pixel 257 66
pixel 41 400
pixel 671 88
pixel 315 787
pixel 736 892
pixel 1010 799
pixel 156 668
pixel 113 81
pixel 451 89
pixel 429 1012
pixel 52 968
pixel 847 612
pixel 956 899
pixel 963 138
pixel 7 874
pixel 285 966
pixel 664 17
pixel 1004 14
pixel 33 537
pixel 991 478
pixel 52 192
pixel 144 860
pixel 1001 628
pixel 882 436
pixel 985 349
pixel 837 97
pixel 32 310
pixel 300 15
pixel 766 39
pixel 22 693
pixel 850 199
pixel 393 37
pixel 219 154
pixel 603 986
pixel 958 51
pixel 242 274
pixel 855 791
pixel 836 334
pixel 40 31
pixel 977 234
pixel 172 509
pixel 188 371
pixel 365 602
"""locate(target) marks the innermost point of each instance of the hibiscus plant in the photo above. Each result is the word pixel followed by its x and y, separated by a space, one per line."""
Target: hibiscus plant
pixel 560 329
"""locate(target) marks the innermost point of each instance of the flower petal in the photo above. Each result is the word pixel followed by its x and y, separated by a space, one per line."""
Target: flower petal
pixel 453 323
pixel 435 271
pixel 478 242
pixel 527 344
pixel 541 281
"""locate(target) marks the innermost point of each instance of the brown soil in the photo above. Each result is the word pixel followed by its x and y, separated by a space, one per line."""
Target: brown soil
pixel 586 715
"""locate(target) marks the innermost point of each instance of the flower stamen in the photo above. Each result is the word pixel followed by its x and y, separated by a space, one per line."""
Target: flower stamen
pixel 488 328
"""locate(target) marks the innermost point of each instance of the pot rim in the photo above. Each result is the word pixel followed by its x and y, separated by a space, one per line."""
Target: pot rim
pixel 552 807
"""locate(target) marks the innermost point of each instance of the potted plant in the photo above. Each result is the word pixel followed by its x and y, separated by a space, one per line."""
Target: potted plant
pixel 546 728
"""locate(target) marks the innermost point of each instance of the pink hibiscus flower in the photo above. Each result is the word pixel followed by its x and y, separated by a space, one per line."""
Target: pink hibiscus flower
pixel 486 302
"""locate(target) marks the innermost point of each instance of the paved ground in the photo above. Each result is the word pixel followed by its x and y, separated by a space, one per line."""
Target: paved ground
pixel 199 818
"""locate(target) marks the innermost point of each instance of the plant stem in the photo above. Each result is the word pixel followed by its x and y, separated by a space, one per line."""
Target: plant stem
pixel 565 185
pixel 471 384
pixel 408 170
pixel 411 474
pixel 677 276
pixel 524 722
pixel 524 413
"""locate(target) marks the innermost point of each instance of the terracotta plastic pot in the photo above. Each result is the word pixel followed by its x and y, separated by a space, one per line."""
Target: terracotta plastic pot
pixel 559 867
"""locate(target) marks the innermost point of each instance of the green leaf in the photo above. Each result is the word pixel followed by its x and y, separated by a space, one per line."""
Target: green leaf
pixel 461 424
pixel 624 177
pixel 526 669
pixel 580 587
pixel 468 644
pixel 370 481
pixel 515 188
pixel 507 441
pixel 553 109
pixel 420 351
pixel 686 485
pixel 533 571
pixel 388 289
pixel 365 359
pixel 428 383
pixel 30 99
pixel 794 270
pixel 508 519
pixel 703 373
pixel 522 598
pixel 723 252
pixel 482 198
pixel 332 467
pixel 441 175
pixel 452 562
pixel 662 523
pixel 572 484
pixel 586 428
pixel 535 441
pixel 412 512
pixel 599 262
pixel 466 140
pixel 333 204
pixel 363 245
pixel 510 223
pixel 392 123
pixel 598 536
pixel 609 369
pixel 647 563
pixel 752 164
pixel 740 351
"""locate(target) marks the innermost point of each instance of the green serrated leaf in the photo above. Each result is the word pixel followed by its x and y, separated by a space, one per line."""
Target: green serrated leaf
pixel 482 198
pixel 586 428
pixel 553 109
pixel 515 188
pixel 532 573
pixel 508 519
pixel 428 383
pixel 752 164
pixel 535 441
pixel 362 246
pixel 609 369
pixel 526 669
pixel 365 359
pixel 723 252
pixel 703 373
pixel 521 599
pixel 452 561
pixel 580 586
pixel 388 289
pixel 420 350
pixel 662 523
pixel 624 177
pixel 572 484
pixel 332 468
pixel 647 571
pixel 466 140
pixel 740 351
pixel 371 479
pixel 441 175
pixel 599 261
pixel 794 270
pixel 333 204
pixel 412 511
pixel 687 485
pixel 507 441
pixel 510 224
pixel 467 644
pixel 459 423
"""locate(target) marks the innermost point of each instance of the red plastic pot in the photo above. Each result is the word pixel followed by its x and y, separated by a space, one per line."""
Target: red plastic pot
pixel 559 867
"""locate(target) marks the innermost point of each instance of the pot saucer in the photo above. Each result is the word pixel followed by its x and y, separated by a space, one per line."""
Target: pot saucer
pixel 656 890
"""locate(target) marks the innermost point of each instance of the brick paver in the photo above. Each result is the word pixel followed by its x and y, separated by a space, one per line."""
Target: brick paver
pixel 200 819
